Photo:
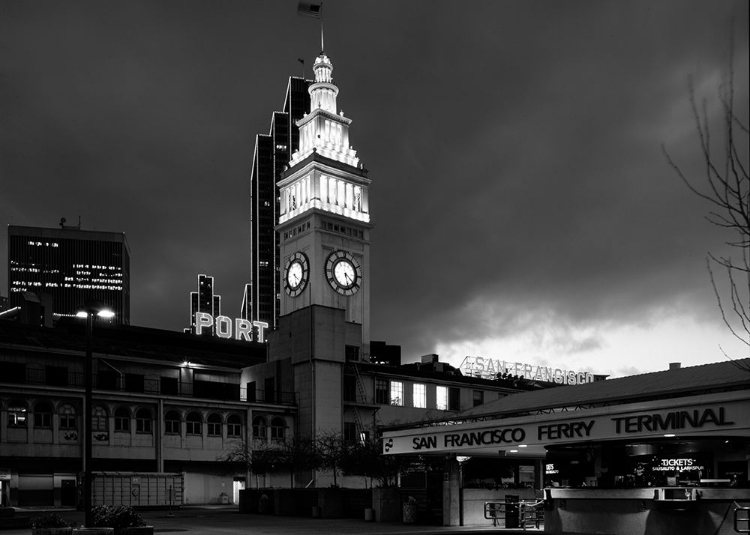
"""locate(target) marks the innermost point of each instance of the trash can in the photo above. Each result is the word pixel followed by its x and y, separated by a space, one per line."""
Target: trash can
pixel 511 511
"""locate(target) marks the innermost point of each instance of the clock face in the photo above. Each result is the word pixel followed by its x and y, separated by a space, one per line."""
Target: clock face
pixel 296 274
pixel 343 272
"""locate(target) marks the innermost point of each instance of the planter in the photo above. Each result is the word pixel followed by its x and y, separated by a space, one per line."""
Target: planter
pixel 51 531
pixel 369 514
pixel 409 513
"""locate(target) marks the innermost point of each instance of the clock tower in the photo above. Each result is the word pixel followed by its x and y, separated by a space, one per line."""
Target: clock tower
pixel 324 241
pixel 324 217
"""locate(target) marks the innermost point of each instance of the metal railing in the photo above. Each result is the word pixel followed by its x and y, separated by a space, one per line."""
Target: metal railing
pixel 137 384
pixel 525 512
pixel 741 522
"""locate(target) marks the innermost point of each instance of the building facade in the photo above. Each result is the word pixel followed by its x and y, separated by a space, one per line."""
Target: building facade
pixel 272 154
pixel 65 267
pixel 164 404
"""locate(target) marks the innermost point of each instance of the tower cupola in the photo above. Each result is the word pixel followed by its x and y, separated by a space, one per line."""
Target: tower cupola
pixel 324 130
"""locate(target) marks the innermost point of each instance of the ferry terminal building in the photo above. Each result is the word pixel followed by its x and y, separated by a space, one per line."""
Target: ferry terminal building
pixel 663 452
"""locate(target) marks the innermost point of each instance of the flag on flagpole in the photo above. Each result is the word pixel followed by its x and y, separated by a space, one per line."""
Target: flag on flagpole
pixel 309 9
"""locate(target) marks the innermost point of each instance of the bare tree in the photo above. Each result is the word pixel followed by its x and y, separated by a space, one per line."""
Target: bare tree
pixel 726 188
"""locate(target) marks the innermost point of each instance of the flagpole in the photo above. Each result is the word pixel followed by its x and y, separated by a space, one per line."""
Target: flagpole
pixel 322 48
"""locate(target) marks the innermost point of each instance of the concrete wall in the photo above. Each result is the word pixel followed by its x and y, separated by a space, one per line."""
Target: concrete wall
pixel 645 516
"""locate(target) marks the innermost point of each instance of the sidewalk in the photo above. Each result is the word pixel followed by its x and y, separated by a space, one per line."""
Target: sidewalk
pixel 226 520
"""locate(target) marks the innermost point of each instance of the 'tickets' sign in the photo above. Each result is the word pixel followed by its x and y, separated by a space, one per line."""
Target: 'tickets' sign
pixel 702 419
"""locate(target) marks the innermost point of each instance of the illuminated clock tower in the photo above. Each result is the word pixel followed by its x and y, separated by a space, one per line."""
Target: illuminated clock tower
pixel 324 218
pixel 324 240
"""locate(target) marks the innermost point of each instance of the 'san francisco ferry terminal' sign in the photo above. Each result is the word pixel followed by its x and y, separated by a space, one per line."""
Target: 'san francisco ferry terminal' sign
pixel 726 417
pixel 490 368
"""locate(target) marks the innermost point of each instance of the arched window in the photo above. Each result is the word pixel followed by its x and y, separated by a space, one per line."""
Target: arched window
pixel 193 422
pixel 143 421
pixel 172 423
pixel 99 419
pixel 214 425
pixel 277 429
pixel 67 416
pixel 43 415
pixel 259 428
pixel 17 413
pixel 234 426
pixel 122 419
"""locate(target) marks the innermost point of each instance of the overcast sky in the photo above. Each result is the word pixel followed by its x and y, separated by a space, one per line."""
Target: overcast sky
pixel 523 207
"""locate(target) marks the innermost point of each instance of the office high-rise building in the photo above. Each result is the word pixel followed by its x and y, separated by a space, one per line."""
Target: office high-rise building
pixel 70 265
pixel 204 300
pixel 272 155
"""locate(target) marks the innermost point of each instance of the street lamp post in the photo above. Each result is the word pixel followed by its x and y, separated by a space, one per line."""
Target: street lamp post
pixel 88 312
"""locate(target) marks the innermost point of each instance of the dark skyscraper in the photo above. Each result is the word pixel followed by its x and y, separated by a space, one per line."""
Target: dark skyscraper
pixel 272 154
pixel 204 300
pixel 70 265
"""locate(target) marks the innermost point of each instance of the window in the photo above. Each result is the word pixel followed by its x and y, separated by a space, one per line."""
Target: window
pixel 67 417
pixel 99 419
pixel 352 353
pixel 172 423
pixel 134 382
pixel 122 420
pixel 478 397
pixel 277 429
pixel 193 423
pixel 381 392
pixel 350 388
pixel 56 375
pixel 251 387
pixel 441 397
pixel 143 421
pixel 419 394
pixel 397 393
pixel 234 426
pixel 43 415
pixel 350 431
pixel 169 386
pixel 259 428
pixel 454 399
pixel 270 390
pixel 214 425
pixel 17 413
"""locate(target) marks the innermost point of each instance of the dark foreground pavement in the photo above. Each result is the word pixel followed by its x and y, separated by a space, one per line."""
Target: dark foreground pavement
pixel 225 520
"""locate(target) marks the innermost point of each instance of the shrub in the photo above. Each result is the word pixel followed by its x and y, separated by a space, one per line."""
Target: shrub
pixel 51 520
pixel 115 516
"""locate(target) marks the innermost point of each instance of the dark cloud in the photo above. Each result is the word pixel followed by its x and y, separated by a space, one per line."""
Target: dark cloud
pixel 514 147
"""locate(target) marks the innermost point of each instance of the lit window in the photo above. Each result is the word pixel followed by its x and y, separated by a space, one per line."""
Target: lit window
pixel 17 413
pixel 441 395
pixel 419 394
pixel 397 393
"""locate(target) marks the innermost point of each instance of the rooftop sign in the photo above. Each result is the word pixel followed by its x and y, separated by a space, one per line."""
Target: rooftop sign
pixel 490 368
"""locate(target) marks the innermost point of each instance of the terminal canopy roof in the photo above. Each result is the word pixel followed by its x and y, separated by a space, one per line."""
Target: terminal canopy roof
pixel 704 401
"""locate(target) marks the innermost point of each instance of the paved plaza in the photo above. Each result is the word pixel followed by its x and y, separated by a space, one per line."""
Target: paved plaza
pixel 225 520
